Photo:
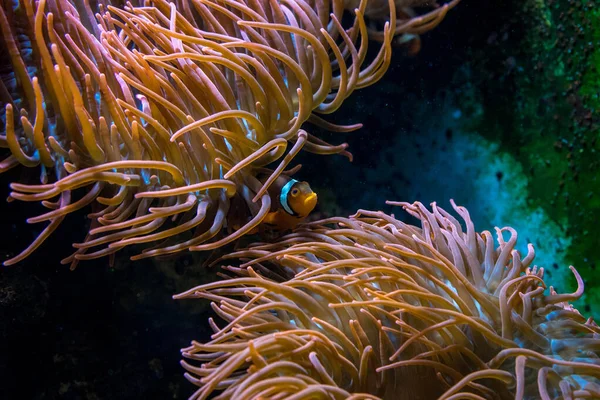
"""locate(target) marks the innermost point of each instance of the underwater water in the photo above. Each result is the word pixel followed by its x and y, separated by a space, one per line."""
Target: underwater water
pixel 499 111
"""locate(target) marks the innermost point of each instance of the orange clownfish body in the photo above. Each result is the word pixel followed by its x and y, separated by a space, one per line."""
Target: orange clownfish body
pixel 293 201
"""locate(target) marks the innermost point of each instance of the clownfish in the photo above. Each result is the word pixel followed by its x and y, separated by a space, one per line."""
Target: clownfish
pixel 292 202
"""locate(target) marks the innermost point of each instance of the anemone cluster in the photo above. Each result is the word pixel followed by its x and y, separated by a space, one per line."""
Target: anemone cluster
pixel 161 115
pixel 373 307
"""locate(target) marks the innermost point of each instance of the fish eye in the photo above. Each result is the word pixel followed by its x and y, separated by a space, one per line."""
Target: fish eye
pixel 295 192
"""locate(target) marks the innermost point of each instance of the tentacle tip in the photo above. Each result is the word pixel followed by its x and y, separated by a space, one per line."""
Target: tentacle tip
pixel 66 261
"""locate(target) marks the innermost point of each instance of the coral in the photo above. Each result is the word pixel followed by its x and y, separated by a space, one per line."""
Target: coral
pixel 369 306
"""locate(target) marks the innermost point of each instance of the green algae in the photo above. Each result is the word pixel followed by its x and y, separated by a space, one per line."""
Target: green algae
pixel 543 110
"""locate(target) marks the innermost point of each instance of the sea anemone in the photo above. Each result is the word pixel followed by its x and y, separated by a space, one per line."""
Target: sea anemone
pixel 409 25
pixel 373 307
pixel 162 115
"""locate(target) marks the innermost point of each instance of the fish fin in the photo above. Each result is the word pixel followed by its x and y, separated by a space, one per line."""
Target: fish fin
pixel 271 218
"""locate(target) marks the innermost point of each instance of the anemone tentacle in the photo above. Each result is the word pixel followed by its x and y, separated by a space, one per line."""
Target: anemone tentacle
pixel 373 307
